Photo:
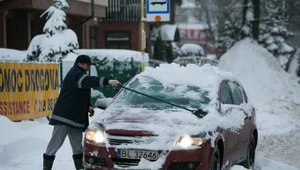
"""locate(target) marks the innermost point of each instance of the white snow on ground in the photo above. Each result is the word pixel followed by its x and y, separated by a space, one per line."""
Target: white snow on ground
pixel 11 55
pixel 273 92
pixel 276 96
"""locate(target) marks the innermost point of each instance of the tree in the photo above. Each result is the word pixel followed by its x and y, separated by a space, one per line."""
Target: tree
pixel 57 41
pixel 256 18
pixel 169 52
pixel 274 33
pixel 159 50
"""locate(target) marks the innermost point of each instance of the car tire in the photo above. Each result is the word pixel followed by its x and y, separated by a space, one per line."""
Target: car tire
pixel 216 159
pixel 250 158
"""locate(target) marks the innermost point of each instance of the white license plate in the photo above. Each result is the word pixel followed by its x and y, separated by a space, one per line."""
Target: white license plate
pixel 137 154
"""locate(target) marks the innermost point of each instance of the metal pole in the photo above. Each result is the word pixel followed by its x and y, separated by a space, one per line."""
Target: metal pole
pixel 143 35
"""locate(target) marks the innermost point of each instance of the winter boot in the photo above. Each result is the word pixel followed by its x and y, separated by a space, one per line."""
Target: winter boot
pixel 48 162
pixel 78 161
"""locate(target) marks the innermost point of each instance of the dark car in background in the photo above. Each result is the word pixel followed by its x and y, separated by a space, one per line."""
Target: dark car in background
pixel 201 124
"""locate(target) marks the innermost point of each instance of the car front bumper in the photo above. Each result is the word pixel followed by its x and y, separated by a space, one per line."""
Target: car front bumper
pixel 101 158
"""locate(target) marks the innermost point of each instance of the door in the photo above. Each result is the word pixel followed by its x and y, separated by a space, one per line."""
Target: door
pixel 231 136
pixel 241 104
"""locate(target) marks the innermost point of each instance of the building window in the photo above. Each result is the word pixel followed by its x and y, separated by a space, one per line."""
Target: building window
pixel 93 37
pixel 117 40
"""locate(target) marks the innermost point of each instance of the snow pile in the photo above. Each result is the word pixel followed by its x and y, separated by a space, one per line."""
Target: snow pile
pixel 260 73
pixel 15 141
pixel 112 54
pixel 276 96
pixel 190 49
pixel 11 55
pixel 55 45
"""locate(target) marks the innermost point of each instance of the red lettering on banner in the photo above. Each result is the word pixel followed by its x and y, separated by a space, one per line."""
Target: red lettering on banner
pixel 14 108
pixel 195 36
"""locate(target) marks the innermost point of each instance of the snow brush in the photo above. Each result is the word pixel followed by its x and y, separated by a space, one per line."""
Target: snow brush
pixel 199 113
pixel 126 88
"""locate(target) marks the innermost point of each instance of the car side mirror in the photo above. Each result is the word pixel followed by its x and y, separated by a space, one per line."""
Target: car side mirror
pixel 103 103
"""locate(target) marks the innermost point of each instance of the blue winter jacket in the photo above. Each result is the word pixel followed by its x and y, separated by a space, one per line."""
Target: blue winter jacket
pixel 73 102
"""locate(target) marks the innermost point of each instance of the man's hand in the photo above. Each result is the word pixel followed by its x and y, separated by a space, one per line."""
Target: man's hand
pixel 92 111
pixel 114 83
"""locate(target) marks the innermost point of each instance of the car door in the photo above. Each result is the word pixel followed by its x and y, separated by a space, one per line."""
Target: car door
pixel 241 103
pixel 231 137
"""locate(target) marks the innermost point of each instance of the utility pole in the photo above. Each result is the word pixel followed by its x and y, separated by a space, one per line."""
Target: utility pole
pixel 143 35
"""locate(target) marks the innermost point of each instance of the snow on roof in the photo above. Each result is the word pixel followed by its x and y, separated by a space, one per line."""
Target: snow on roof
pixel 192 75
pixel 110 54
pixel 166 31
pixel 12 55
pixel 188 4
pixel 196 26
pixel 272 83
pixel 192 48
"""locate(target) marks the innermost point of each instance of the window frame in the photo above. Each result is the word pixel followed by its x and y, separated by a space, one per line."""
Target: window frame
pixel 119 43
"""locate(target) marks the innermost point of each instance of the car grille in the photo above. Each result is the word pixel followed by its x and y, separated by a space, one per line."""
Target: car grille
pixel 119 140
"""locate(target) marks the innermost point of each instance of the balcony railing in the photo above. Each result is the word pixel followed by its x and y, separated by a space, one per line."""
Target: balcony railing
pixel 97 2
pixel 123 10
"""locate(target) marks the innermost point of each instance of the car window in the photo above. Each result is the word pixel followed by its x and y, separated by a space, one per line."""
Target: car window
pixel 225 94
pixel 237 92
pixel 183 95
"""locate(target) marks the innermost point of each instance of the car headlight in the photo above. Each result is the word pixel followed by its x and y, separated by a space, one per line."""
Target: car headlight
pixel 187 141
pixel 95 134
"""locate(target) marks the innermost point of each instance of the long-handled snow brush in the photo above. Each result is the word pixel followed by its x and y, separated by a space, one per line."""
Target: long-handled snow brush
pixel 200 113
pixel 157 99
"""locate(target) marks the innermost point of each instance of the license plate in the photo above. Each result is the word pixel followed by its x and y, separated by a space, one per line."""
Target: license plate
pixel 137 154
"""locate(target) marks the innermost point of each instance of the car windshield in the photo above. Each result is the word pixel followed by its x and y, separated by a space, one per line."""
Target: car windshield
pixel 190 97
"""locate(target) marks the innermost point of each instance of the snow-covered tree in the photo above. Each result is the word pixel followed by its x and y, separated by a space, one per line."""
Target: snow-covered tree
pixel 274 33
pixel 57 40
pixel 229 35
pixel 56 18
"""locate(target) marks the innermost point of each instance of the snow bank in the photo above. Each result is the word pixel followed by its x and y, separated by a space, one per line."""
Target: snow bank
pixel 16 141
pixel 12 55
pixel 276 96
pixel 260 73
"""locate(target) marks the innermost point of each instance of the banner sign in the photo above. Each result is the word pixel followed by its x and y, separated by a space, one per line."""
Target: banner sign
pixel 28 90
pixel 194 36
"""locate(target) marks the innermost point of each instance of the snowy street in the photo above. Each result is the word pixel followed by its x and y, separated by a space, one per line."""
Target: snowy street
pixel 23 143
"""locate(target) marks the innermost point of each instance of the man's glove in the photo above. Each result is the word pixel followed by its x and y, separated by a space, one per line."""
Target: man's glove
pixel 114 83
pixel 92 111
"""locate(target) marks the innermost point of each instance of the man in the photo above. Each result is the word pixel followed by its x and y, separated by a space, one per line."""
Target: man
pixel 70 113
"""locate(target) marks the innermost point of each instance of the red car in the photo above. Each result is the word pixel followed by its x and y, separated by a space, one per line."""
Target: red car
pixel 156 122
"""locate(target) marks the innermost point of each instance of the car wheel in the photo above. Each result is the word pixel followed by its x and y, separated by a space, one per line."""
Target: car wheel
pixel 250 159
pixel 216 160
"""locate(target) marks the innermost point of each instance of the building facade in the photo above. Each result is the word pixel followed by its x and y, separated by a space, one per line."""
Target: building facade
pixel 98 24
pixel 20 20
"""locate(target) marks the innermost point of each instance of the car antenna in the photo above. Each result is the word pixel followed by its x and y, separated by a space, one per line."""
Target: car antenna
pixel 157 99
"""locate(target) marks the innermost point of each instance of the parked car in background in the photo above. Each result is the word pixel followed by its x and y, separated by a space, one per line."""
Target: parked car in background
pixel 200 61
pixel 174 118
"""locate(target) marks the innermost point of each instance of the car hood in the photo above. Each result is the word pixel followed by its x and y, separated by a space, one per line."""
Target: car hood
pixel 164 127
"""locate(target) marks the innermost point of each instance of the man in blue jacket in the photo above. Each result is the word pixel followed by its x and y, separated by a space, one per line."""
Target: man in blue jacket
pixel 70 113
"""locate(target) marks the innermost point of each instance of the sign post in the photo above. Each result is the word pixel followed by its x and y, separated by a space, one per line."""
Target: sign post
pixel 158 10
pixel 143 34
